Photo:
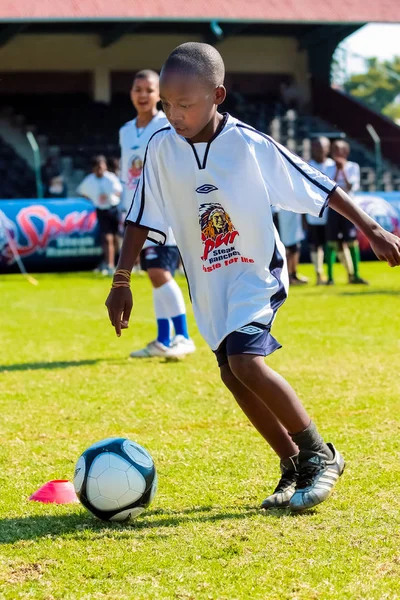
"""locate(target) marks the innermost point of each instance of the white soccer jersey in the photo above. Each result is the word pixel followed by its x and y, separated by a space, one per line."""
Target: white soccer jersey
pixel 217 198
pixel 328 167
pixel 133 142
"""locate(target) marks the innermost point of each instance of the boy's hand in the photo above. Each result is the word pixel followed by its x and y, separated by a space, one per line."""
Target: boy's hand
pixel 340 162
pixel 119 304
pixel 386 246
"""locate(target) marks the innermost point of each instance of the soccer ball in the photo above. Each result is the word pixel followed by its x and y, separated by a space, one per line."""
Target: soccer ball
pixel 115 479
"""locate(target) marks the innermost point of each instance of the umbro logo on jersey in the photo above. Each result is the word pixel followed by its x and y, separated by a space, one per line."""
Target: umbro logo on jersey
pixel 250 330
pixel 135 147
pixel 206 188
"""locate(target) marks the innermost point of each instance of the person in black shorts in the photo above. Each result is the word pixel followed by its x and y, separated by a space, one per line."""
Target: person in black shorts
pixel 104 189
pixel 316 226
pixel 341 234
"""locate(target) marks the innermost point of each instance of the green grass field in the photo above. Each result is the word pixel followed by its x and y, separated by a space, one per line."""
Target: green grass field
pixel 65 382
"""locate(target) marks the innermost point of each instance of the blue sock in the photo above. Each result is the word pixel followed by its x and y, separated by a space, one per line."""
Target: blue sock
pixel 163 334
pixel 180 326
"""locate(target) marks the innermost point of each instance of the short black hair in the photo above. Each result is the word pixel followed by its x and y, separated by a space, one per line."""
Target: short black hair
pixel 113 164
pixel 146 74
pixel 96 160
pixel 198 59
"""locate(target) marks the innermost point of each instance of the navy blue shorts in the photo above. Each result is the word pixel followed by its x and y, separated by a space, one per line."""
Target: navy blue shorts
pixel 253 338
pixel 160 257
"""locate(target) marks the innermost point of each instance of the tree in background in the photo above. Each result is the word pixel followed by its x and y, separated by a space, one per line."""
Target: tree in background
pixel 378 87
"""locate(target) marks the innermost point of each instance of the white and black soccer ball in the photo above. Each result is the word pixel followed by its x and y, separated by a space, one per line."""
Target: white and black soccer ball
pixel 115 479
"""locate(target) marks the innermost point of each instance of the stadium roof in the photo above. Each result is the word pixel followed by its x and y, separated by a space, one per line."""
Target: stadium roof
pixel 262 11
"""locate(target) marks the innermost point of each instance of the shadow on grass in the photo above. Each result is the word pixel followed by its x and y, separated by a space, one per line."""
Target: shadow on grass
pixel 66 364
pixel 371 293
pixel 49 365
pixel 78 525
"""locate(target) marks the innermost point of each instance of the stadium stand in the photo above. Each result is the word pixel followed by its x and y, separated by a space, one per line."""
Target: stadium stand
pixel 67 67
pixel 76 128
pixel 16 177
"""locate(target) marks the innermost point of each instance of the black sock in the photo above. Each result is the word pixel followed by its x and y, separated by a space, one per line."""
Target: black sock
pixel 310 440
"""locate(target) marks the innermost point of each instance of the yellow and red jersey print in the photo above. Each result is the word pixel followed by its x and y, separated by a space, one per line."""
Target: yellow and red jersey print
pixel 218 235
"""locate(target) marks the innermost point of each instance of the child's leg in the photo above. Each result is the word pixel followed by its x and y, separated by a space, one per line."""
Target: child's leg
pixel 345 258
pixel 354 248
pixel 280 398
pixel 260 415
pixel 330 253
pixel 159 278
pixel 273 432
pixel 320 465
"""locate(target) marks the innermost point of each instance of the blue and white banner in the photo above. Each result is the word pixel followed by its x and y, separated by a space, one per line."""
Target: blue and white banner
pixel 49 234
pixel 384 207
pixel 64 234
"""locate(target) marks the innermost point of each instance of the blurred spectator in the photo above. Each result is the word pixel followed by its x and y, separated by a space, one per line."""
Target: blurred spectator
pixel 50 169
pixel 114 165
pixel 341 233
pixel 293 95
pixel 55 187
pixel 53 182
pixel 104 190
pixel 316 226
pixel 292 233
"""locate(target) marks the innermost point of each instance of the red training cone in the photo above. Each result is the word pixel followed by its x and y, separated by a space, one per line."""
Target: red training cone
pixel 57 491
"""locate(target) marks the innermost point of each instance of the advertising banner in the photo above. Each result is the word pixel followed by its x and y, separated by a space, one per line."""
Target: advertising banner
pixel 52 235
pixel 49 234
pixel 384 207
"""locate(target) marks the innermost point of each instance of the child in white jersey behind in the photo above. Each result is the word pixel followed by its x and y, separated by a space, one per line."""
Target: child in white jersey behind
pixel 159 262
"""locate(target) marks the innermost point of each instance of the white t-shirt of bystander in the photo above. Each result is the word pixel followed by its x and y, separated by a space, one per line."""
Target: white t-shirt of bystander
pixel 352 172
pixel 103 191
pixel 328 168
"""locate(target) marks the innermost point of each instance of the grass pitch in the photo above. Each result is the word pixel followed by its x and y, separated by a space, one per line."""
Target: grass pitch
pixel 65 382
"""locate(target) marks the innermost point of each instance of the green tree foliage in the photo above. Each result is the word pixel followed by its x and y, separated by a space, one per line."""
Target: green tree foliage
pixel 379 87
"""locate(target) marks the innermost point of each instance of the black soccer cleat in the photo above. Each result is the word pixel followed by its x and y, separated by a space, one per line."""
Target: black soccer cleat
pixel 286 486
pixel 358 280
pixel 316 479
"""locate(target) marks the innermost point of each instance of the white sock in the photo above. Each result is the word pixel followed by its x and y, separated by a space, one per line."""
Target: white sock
pixel 317 259
pixel 314 260
pixel 345 258
pixel 172 299
pixel 159 305
pixel 320 260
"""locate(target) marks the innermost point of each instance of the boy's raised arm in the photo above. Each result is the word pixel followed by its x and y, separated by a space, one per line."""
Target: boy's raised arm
pixel 385 245
pixel 119 302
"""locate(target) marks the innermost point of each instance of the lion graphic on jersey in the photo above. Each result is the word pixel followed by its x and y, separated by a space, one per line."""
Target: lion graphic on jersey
pixel 216 226
pixel 214 221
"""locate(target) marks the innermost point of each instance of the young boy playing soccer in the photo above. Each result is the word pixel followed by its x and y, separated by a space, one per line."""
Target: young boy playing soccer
pixel 160 262
pixel 214 179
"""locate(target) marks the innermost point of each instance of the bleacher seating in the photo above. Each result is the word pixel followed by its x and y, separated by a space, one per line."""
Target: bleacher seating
pixel 77 128
pixel 17 179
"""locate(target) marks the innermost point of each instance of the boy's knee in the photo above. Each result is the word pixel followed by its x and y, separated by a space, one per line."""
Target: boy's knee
pixel 242 367
pixel 227 377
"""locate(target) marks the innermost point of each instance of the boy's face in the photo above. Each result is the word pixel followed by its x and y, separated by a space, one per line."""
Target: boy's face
pixel 320 149
pixel 100 169
pixel 188 102
pixel 340 150
pixel 145 94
